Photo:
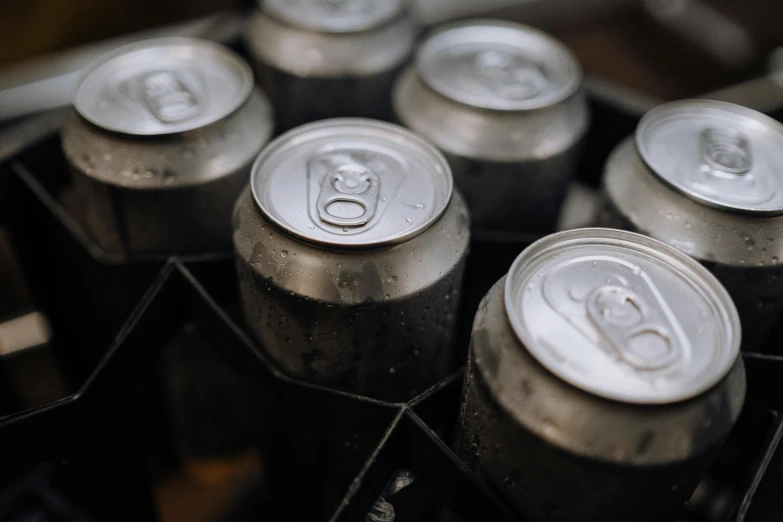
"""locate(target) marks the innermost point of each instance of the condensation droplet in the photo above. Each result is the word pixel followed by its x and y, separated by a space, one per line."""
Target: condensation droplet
pixel 391 279
pixel 284 253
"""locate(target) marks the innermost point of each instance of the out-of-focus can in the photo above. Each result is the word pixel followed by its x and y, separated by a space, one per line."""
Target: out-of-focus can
pixel 321 59
pixel 705 177
pixel 350 253
pixel 503 102
pixel 603 374
pixel 161 144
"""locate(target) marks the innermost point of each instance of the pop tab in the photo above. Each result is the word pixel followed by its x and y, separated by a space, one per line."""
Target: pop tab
pixel 613 303
pixel 719 154
pixel 622 316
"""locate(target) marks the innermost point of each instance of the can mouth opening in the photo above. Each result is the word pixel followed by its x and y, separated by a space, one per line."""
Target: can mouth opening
pixel 622 316
pixel 498 65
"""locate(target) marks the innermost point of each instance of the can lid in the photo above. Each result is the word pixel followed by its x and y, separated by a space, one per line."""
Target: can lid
pixel 163 86
pixel 719 154
pixel 335 16
pixel 622 316
pixel 351 183
pixel 498 65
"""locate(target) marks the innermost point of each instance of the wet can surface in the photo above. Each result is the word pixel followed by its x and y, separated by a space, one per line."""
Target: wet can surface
pixel 603 374
pixel 161 143
pixel 503 102
pixel 350 250
pixel 322 59
pixel 705 177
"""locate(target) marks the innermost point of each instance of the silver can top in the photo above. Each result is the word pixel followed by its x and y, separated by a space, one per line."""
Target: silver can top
pixel 351 183
pixel 163 86
pixel 719 154
pixel 335 16
pixel 622 316
pixel 498 65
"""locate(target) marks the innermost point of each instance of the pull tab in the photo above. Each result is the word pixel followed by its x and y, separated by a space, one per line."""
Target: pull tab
pixel 168 98
pixel 725 151
pixel 509 76
pixel 349 196
pixel 635 330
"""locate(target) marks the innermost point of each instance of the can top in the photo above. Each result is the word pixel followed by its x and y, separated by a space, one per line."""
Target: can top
pixel 719 154
pixel 163 86
pixel 351 183
pixel 335 16
pixel 498 65
pixel 622 316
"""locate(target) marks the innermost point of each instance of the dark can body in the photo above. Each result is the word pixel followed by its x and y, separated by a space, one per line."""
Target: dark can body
pixel 572 456
pixel 363 305
pixel 513 165
pixel 743 250
pixel 378 323
pixel 314 75
pixel 164 195
pixel 169 189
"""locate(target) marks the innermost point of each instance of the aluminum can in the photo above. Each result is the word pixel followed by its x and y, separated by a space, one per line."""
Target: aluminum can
pixel 350 250
pixel 703 177
pixel 504 104
pixel 161 143
pixel 321 59
pixel 603 374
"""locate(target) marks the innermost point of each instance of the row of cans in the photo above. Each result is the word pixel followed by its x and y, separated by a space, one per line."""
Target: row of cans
pixel 604 369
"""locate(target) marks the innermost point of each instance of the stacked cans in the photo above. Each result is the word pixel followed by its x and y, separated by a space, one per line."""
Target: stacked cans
pixel 603 374
pixel 321 59
pixel 503 102
pixel 350 248
pixel 161 144
pixel 704 177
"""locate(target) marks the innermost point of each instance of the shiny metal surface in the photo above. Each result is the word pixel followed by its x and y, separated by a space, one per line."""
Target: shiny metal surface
pixel 720 154
pixel 335 16
pixel 172 194
pixel 557 453
pixel 498 65
pixel 352 183
pixel 311 75
pixel 744 251
pixel 622 316
pixel 494 153
pixel 163 86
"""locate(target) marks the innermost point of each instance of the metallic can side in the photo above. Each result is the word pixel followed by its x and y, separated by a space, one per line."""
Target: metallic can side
pixel 557 451
pixel 513 143
pixel 319 74
pixel 339 305
pixel 160 149
pixel 742 248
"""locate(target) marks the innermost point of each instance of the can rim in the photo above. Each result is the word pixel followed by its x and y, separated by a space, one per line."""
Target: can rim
pixel 299 23
pixel 245 73
pixel 652 116
pixel 278 143
pixel 720 296
pixel 433 45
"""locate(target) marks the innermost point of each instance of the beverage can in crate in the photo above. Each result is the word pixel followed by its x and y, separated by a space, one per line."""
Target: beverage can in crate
pixel 321 59
pixel 351 244
pixel 161 143
pixel 503 102
pixel 603 374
